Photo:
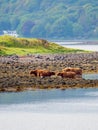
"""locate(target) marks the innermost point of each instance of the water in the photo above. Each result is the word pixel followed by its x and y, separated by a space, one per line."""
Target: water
pixel 90 76
pixel 73 109
pixel 79 45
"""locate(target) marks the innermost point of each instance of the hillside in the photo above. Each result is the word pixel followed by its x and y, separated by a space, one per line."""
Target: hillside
pixel 54 19
pixel 23 46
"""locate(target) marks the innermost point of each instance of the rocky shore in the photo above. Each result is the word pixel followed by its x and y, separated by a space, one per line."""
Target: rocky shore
pixel 15 71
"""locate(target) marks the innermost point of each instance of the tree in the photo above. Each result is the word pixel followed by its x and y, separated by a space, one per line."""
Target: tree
pixel 62 28
pixel 77 30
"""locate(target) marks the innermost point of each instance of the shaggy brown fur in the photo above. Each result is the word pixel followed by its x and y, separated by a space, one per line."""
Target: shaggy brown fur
pixel 78 71
pixel 41 73
pixel 67 74
pixel 45 74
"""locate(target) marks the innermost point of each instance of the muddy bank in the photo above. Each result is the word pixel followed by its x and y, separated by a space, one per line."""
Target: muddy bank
pixel 14 71
pixel 15 84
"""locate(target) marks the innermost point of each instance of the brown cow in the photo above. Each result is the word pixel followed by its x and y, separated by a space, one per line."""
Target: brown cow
pixel 47 74
pixel 78 71
pixel 37 72
pixel 67 74
pixel 67 69
pixel 42 73
pixel 34 72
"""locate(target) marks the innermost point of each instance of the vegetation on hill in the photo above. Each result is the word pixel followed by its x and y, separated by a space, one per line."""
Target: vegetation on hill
pixel 56 19
pixel 23 46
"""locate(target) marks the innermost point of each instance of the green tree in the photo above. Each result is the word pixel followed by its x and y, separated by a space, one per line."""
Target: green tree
pixel 77 30
pixel 62 28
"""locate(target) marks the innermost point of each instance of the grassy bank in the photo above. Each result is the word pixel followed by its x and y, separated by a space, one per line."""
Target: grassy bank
pixel 22 46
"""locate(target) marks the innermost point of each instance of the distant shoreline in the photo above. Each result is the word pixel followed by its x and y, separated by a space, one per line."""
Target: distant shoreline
pixel 65 42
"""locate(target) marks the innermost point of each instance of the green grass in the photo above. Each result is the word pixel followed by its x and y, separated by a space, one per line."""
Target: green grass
pixel 22 46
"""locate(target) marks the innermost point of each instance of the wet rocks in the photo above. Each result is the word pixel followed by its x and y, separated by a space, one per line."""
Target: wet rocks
pixel 14 71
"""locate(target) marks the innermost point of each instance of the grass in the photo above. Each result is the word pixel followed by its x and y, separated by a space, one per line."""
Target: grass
pixel 22 46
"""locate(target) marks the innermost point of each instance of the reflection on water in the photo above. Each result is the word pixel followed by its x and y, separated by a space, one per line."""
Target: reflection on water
pixel 51 101
pixel 73 109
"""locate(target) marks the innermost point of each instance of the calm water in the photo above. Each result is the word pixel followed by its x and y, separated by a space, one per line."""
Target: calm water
pixel 76 45
pixel 73 109
pixel 90 76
